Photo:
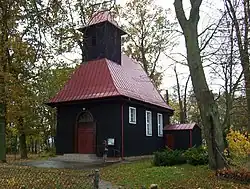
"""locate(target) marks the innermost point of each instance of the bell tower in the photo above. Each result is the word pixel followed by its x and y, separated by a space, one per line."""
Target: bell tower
pixel 102 37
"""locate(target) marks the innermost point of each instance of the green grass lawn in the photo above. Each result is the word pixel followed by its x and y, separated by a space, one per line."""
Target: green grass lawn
pixel 143 173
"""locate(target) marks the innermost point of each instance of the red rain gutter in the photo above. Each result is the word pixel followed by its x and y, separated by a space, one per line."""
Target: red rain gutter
pixel 190 138
pixel 122 127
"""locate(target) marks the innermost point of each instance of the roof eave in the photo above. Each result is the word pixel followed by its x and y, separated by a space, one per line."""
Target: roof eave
pixel 177 129
pixel 82 29
pixel 50 104
pixel 168 110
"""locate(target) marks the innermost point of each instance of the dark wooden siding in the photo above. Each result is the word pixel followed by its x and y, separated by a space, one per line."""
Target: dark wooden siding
pixel 108 42
pixel 197 139
pixel 135 140
pixel 106 115
pixel 97 50
pixel 113 43
pixel 181 138
pixel 64 131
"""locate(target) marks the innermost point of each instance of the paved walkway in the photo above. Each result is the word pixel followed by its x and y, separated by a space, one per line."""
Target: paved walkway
pixel 62 164
pixel 83 162
pixel 106 185
pixel 70 165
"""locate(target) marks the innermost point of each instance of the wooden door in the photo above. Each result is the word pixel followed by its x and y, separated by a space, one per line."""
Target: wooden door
pixel 86 138
pixel 170 141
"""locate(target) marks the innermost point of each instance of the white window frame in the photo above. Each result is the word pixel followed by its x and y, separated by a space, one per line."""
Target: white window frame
pixel 160 124
pixel 130 118
pixel 148 123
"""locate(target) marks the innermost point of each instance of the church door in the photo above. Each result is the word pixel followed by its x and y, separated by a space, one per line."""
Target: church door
pixel 86 134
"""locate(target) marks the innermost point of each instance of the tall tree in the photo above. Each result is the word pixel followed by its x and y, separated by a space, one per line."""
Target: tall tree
pixel 182 99
pixel 241 23
pixel 225 65
pixel 23 29
pixel 208 108
pixel 149 35
pixel 9 12
pixel 45 87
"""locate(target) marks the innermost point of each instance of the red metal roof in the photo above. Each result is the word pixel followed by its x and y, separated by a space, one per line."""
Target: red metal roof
pixel 102 16
pixel 91 80
pixel 187 126
pixel 104 78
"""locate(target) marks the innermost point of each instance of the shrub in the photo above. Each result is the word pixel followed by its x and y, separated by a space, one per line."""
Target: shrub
pixel 49 152
pixel 238 149
pixel 159 158
pixel 197 156
pixel 168 158
pixel 238 144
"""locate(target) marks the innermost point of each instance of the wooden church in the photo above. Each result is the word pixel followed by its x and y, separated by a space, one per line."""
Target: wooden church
pixel 109 97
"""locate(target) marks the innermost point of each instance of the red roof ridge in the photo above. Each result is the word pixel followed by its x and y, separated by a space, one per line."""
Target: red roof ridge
pixel 102 16
pixel 180 126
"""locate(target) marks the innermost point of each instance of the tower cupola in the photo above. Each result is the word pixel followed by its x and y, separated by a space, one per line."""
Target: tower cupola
pixel 102 38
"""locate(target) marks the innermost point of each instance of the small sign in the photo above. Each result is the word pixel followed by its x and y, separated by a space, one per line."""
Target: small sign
pixel 111 141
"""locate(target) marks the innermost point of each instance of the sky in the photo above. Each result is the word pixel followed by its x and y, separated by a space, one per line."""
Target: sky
pixel 209 13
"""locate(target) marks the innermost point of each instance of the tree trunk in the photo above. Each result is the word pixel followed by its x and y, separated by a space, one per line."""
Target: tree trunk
pixel 207 106
pixel 4 62
pixel 45 141
pixel 35 147
pixel 2 119
pixel 229 87
pixel 53 142
pixel 22 140
pixel 32 145
pixel 181 116
pixel 185 101
pixel 2 134
pixel 205 99
pixel 244 54
pixel 23 146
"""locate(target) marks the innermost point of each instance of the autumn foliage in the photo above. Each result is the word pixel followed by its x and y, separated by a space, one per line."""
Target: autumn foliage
pixel 238 144
pixel 239 150
pixel 16 177
pixel 242 175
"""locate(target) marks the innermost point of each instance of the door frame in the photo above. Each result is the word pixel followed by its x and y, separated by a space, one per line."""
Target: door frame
pixel 76 131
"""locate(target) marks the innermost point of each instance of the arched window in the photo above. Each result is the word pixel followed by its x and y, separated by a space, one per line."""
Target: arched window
pixel 85 117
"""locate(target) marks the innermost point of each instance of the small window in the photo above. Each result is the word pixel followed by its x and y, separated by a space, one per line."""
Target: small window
pixel 160 124
pixel 132 115
pixel 149 123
